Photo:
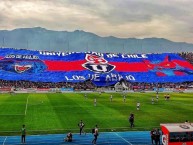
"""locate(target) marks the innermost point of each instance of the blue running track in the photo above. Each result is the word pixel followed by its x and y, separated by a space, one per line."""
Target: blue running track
pixel 104 138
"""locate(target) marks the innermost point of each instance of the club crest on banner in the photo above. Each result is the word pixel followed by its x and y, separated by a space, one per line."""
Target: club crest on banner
pixel 97 64
pixel 22 68
pixel 22 64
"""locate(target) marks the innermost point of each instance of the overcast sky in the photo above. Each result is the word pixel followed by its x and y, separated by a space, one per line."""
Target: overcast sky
pixel 170 19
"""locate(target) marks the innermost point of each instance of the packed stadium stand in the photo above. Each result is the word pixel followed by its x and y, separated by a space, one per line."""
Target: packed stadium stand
pixel 188 56
pixel 27 71
pixel 14 83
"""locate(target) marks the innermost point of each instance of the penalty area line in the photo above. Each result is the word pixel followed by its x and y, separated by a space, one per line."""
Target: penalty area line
pixel 26 105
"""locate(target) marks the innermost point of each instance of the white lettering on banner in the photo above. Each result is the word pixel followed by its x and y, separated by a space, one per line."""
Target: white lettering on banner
pixel 115 55
pixel 10 56
pixel 68 79
pixel 96 53
pixel 18 56
pixel 22 56
pixel 134 56
pixel 59 54
pixel 144 56
pixel 96 77
pixel 113 77
pixel 102 68
pixel 118 77
pixel 108 78
pixel 112 55
pixel 53 53
pixel 130 77
pixel 75 77
pixel 108 55
pixel 29 57
pixel 50 53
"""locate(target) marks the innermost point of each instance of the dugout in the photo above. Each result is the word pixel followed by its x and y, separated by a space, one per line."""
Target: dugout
pixel 177 134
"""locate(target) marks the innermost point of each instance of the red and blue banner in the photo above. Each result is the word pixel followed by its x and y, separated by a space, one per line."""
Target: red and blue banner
pixel 101 68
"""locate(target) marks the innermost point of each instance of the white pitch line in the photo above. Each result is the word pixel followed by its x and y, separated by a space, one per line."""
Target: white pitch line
pixel 26 105
pixel 4 140
pixel 123 139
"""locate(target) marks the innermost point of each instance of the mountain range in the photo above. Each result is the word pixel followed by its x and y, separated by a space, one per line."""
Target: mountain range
pixel 38 38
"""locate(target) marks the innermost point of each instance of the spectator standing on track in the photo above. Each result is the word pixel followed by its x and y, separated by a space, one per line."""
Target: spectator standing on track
pixel 96 133
pixel 81 126
pixel 23 134
pixel 152 134
pixel 158 136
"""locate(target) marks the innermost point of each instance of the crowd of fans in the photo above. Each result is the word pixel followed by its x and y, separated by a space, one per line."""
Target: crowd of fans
pixel 187 56
pixel 88 85
pixel 29 84
pixel 152 86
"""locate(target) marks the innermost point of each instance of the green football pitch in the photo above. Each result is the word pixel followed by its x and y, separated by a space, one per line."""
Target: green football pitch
pixel 61 112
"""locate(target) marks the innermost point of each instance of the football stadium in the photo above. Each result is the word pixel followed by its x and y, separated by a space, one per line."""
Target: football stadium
pixel 117 98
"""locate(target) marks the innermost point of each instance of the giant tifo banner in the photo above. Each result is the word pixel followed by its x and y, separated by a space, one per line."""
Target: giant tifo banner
pixel 101 68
